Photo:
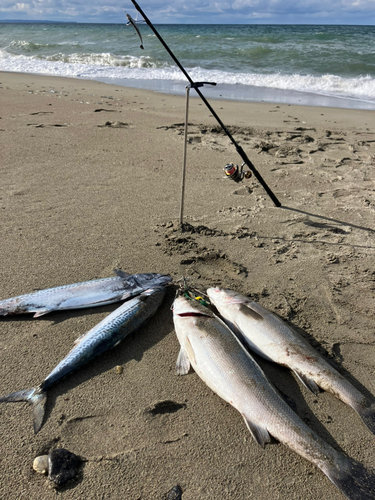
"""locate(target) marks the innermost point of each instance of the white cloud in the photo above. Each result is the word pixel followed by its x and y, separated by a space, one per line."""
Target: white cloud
pixel 196 11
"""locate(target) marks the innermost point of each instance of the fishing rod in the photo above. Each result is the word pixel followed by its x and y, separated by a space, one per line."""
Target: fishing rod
pixel 196 86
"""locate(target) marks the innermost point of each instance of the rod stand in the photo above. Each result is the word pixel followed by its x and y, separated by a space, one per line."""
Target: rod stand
pixel 196 86
pixel 184 157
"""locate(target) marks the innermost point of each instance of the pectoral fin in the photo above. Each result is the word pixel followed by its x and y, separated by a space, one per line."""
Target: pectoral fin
pixel 260 434
pixel 250 313
pixel 183 363
pixel 41 312
pixel 307 382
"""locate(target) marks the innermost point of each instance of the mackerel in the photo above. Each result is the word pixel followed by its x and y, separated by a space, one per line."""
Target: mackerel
pixel 220 360
pixel 105 335
pixel 270 337
pixel 82 295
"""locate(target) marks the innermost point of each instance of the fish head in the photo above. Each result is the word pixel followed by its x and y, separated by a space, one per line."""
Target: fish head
pixel 187 307
pixel 151 280
pixel 224 297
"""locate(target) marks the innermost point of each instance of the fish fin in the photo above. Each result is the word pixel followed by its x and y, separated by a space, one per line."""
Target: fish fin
pixel 367 414
pixel 39 405
pixel 250 313
pixel 17 396
pixel 190 351
pixel 307 382
pixel 36 397
pixel 183 363
pixel 80 338
pixel 41 312
pixel 353 480
pixel 121 274
pixel 260 434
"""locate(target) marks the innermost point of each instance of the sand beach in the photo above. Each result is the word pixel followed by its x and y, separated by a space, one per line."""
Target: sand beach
pixel 90 181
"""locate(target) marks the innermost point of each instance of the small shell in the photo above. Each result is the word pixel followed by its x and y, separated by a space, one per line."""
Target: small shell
pixel 40 464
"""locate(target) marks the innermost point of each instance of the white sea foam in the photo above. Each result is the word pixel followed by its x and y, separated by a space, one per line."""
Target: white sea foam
pixel 105 65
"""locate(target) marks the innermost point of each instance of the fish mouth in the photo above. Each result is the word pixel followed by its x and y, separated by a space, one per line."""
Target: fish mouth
pixel 192 314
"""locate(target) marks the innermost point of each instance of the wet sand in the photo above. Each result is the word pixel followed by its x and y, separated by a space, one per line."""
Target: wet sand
pixel 91 180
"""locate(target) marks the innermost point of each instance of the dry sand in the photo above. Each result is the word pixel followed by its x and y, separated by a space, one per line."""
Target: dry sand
pixel 90 181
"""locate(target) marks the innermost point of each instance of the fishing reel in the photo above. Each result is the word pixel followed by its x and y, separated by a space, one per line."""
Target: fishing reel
pixel 235 172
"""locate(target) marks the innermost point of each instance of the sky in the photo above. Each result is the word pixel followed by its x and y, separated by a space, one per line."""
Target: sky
pixel 195 11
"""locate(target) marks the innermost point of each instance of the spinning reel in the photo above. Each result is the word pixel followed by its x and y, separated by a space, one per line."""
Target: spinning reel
pixel 235 172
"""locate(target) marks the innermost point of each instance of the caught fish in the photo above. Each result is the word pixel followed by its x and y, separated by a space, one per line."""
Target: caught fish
pixel 82 295
pixel 132 22
pixel 220 360
pixel 105 335
pixel 267 335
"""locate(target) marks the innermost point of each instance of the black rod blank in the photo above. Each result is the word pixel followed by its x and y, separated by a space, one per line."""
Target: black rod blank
pixel 239 149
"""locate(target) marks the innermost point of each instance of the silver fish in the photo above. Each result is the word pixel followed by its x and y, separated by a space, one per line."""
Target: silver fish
pixel 270 337
pixel 220 360
pixel 105 335
pixel 133 22
pixel 82 295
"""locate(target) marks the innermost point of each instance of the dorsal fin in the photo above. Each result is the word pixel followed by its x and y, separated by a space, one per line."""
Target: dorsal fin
pixel 121 274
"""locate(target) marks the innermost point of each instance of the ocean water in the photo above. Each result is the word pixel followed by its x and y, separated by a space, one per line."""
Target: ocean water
pixel 305 64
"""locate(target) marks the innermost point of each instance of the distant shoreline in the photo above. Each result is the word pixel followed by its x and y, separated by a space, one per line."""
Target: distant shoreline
pixel 37 21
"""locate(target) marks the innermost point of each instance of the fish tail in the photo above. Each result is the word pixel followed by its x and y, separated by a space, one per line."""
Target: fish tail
pixel 353 480
pixel 367 414
pixel 36 397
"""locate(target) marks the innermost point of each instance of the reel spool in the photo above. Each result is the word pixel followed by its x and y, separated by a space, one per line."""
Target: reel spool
pixel 236 173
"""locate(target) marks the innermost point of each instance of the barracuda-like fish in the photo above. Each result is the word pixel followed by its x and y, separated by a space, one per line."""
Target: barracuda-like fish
pixel 132 22
pixel 220 360
pixel 82 295
pixel 105 335
pixel 267 335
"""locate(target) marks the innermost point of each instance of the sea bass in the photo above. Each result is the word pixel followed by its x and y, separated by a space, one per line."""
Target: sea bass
pixel 82 295
pixel 267 335
pixel 105 335
pixel 220 360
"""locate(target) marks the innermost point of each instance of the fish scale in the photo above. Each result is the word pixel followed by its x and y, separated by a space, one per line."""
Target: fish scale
pixel 103 336
pixel 220 360
pixel 107 334
pixel 270 337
